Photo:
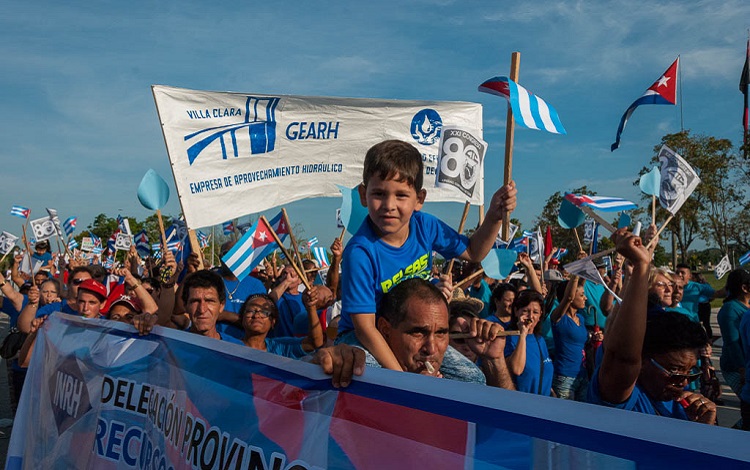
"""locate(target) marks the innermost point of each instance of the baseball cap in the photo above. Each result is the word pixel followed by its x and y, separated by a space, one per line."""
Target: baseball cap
pixel 131 302
pixel 95 287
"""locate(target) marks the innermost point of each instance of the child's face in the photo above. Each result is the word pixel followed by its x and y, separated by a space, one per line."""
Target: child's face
pixel 390 204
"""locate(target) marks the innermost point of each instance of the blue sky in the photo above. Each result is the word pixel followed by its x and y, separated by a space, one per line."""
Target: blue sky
pixel 80 126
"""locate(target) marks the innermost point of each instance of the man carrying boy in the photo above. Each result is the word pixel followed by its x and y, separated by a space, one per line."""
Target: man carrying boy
pixel 395 242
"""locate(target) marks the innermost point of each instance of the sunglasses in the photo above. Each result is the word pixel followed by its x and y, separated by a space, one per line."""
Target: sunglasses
pixel 77 282
pixel 676 378
pixel 257 312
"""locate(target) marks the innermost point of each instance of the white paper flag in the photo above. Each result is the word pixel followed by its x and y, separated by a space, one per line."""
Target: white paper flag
pixel 678 180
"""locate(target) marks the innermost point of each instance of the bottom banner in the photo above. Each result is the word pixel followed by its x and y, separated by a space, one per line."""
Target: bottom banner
pixel 98 396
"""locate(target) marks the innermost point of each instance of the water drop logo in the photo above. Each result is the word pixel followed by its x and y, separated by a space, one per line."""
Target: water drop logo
pixel 426 126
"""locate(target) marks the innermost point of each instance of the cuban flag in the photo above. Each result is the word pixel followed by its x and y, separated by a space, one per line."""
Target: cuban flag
pixel 528 109
pixel 519 245
pixel 72 244
pixel 70 225
pixel 97 241
pixel 602 203
pixel 248 251
pixel 108 262
pixel 97 250
pixel 744 259
pixel 123 224
pixel 228 227
pixel 174 246
pixel 202 239
pixel 560 253
pixel 156 247
pixel 112 240
pixel 312 242
pixel 20 211
pixel 528 234
pixel 321 255
pixel 663 91
pixel 142 245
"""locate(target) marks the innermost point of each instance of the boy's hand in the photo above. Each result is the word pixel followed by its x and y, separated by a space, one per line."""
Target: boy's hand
pixel 503 201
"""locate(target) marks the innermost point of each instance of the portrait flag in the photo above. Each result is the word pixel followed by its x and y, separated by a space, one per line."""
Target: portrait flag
pixel 528 109
pixel 663 91
pixel 7 242
pixel 678 180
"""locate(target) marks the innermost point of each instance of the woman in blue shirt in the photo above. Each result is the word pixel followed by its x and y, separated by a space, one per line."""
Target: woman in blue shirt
pixel 735 305
pixel 526 355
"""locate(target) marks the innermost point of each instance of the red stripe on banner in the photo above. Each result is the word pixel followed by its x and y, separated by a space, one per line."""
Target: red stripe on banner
pixel 376 434
pixel 279 409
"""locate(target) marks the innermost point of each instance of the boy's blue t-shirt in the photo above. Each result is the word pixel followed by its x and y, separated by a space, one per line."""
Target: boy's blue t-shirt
pixel 538 363
pixel 371 267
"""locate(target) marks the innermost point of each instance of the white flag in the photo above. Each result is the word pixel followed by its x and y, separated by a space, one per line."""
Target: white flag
pixel 43 228
pixel 678 180
pixel 460 157
pixel 7 242
pixel 235 154
pixel 723 267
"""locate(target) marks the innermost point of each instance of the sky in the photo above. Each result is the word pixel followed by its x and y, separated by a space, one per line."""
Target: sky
pixel 79 124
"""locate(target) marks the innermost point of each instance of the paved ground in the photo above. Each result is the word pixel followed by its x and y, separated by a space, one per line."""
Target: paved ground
pixel 728 414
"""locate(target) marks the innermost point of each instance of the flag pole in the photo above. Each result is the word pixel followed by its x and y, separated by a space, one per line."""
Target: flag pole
pixel 655 240
pixel 515 65
pixel 578 239
pixel 291 236
pixel 467 206
pixel 300 273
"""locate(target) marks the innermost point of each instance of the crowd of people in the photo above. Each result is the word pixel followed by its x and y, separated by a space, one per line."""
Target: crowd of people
pixel 637 343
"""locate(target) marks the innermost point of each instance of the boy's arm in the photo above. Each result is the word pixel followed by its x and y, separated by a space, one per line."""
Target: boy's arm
pixel 373 341
pixel 502 204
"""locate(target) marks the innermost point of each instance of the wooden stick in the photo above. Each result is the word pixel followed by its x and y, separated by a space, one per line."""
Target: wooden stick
pixel 602 253
pixel 469 335
pixel 161 229
pixel 299 271
pixel 655 240
pixel 578 239
pixel 196 247
pixel 460 231
pixel 515 64
pixel 343 232
pixel 467 279
pixel 589 212
pixel 653 209
pixel 291 236
pixel 28 249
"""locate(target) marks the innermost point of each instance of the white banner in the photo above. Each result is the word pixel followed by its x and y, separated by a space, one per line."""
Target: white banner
pixel 235 154
pixel 123 241
pixel 44 228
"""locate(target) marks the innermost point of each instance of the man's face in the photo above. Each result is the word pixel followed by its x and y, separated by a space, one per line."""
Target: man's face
pixel 39 278
pixel 390 204
pixel 88 304
pixel 685 274
pixel 257 316
pixel 291 275
pixel 657 383
pixel 121 313
pixel 679 289
pixel 76 281
pixel 421 337
pixel 203 306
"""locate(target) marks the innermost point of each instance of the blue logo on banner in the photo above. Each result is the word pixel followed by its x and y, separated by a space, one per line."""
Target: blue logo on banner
pixel 260 121
pixel 69 394
pixel 426 126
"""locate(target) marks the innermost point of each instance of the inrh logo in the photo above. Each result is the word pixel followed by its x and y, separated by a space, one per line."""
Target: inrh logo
pixel 426 126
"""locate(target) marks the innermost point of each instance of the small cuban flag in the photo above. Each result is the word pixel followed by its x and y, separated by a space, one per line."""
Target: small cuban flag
pixel 528 109
pixel 312 242
pixel 602 203
pixel 202 239
pixel 70 225
pixel 228 227
pixel 744 259
pixel 321 255
pixel 248 251
pixel 72 244
pixel 20 211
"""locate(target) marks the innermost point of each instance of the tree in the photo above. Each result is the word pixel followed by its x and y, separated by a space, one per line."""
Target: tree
pixel 712 210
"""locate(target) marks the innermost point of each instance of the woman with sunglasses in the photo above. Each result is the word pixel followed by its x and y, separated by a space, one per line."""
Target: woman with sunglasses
pixel 527 357
pixel 649 357
pixel 259 316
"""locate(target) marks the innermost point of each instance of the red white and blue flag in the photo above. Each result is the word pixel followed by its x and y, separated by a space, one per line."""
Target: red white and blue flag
pixel 255 245
pixel 142 246
pixel 663 91
pixel 228 227
pixel 528 109
pixel 202 239
pixel 312 242
pixel 560 253
pixel 70 225
pixel 20 211
pixel 321 255
pixel 602 203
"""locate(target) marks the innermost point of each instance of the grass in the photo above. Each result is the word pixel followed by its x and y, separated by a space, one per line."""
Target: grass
pixel 716 284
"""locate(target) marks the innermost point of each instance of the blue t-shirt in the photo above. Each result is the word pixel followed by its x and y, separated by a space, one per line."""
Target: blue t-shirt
pixel 237 293
pixel 536 357
pixel 695 293
pixel 372 267
pixel 6 306
pixel 638 401
pixel 290 307
pixel 745 341
pixel 287 347
pixel 63 307
pixel 495 319
pixel 484 294
pixel 730 317
pixel 594 293
pixel 680 309
pixel 570 340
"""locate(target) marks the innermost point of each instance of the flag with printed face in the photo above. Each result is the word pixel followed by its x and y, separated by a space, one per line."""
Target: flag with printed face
pixel 663 91
pixel 678 180
pixel 7 242
pixel 55 221
pixel 70 225
pixel 20 211
pixel 528 110
pixel 247 252
pixel 723 267
pixel 588 230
